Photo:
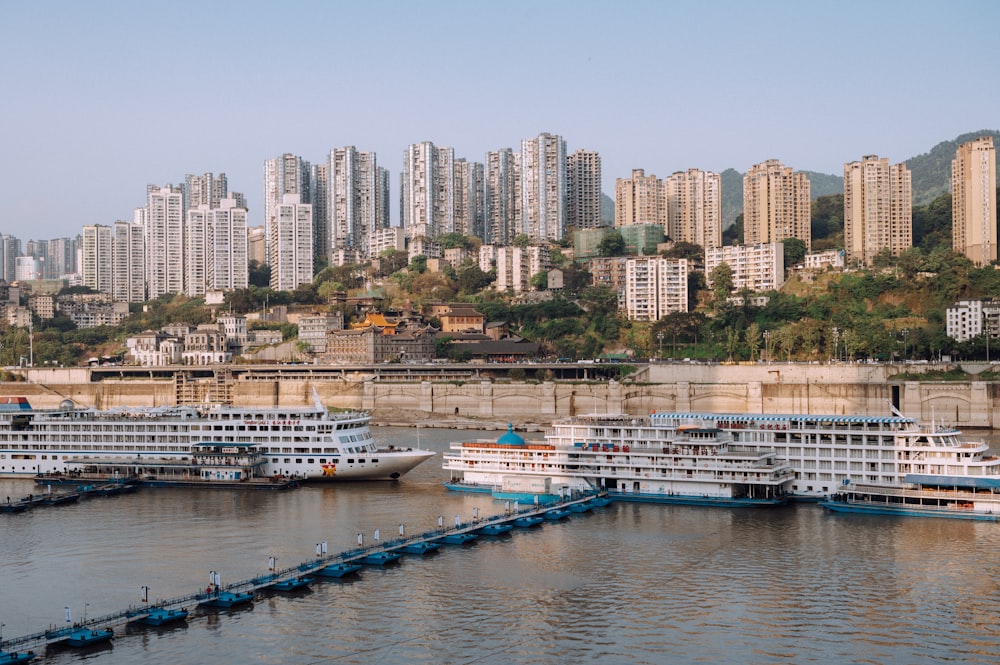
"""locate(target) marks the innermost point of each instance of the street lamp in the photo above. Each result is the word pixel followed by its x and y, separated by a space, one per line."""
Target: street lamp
pixel 906 332
pixel 659 337
pixel 767 345
pixel 836 342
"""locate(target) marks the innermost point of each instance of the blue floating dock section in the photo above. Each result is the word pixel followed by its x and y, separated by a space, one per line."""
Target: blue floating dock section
pixel 100 630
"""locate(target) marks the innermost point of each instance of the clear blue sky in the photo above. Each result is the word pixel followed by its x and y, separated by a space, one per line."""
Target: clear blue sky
pixel 101 98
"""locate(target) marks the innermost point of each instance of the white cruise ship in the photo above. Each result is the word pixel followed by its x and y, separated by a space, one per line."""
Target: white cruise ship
pixel 630 458
pixel 825 453
pixel 831 451
pixel 304 443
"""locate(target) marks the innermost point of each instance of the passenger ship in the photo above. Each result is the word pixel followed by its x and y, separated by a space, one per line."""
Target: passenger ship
pixel 827 454
pixel 306 443
pixel 627 457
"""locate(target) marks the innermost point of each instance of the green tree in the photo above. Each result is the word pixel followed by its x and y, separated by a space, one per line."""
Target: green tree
pixel 752 338
pixel 521 240
pixel 685 250
pixel 721 280
pixel 794 250
pixel 540 280
pixel 259 274
pixel 471 279
pixel 612 244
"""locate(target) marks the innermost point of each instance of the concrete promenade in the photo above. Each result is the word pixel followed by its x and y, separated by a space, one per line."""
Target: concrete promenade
pixel 479 399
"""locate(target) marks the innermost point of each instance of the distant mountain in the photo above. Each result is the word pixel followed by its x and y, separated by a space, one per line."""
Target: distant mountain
pixel 931 171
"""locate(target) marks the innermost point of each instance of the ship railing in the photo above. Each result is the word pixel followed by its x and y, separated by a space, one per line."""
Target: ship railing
pixel 914 490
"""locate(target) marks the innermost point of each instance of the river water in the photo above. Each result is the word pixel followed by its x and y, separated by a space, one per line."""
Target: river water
pixel 630 583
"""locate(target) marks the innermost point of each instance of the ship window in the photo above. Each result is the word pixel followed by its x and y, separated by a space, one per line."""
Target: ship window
pixel 361 461
pixel 274 460
pixel 311 460
pixel 350 461
pixel 288 460
pixel 298 460
pixel 322 460
pixel 374 461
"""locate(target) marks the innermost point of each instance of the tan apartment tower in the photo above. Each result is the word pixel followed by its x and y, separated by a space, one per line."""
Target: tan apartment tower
pixel 640 200
pixel 694 208
pixel 877 209
pixel 775 204
pixel 974 201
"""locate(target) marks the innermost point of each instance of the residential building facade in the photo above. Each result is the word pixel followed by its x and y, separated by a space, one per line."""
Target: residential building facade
pixel 776 204
pixel 759 267
pixel 877 209
pixel 974 201
pixel 655 287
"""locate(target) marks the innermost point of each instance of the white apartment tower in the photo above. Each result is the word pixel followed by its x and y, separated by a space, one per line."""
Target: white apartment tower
pixel 128 262
pixel 96 255
pixel 694 207
pixel 290 245
pixel 776 204
pixel 196 249
pixel 877 209
pixel 164 220
pixel 655 287
pixel 500 197
pixel 759 267
pixel 974 200
pixel 354 199
pixel 469 190
pixel 206 189
pixel 426 195
pixel 583 190
pixel 227 258
pixel 640 200
pixel 543 188
pixel 287 174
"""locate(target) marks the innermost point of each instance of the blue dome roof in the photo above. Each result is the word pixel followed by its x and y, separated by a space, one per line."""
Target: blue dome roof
pixel 510 438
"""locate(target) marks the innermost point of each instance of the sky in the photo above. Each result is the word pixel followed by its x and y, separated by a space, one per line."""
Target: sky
pixel 101 98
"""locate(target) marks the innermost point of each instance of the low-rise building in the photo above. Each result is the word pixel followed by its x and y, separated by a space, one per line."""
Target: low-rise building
pixel 759 267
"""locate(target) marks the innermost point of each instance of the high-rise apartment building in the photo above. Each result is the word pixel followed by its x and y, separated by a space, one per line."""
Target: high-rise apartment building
pixel 543 188
pixel 500 198
pixel 583 190
pixel 469 191
pixel 640 200
pixel 974 200
pixel 60 258
pixel 164 223
pixel 427 191
pixel 206 189
pixel 776 204
pixel 227 258
pixel 877 209
pixel 287 174
pixel 10 249
pixel 196 250
pixel 354 199
pixel 655 287
pixel 322 223
pixel 694 207
pixel 128 262
pixel 290 244
pixel 96 266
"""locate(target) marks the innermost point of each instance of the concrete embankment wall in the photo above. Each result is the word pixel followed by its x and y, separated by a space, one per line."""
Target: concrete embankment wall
pixel 776 388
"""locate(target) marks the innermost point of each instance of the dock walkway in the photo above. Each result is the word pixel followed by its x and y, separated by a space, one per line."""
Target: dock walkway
pixel 56 635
